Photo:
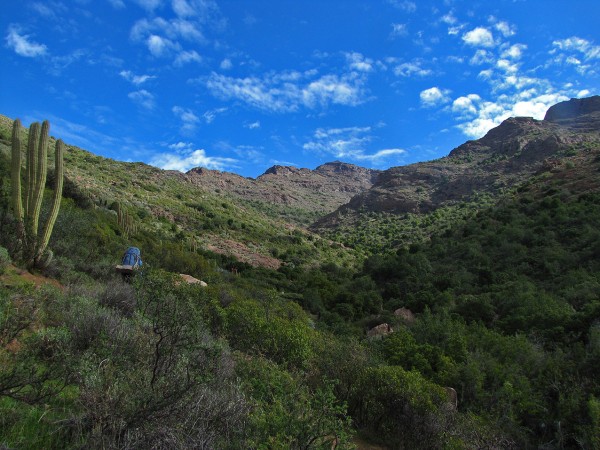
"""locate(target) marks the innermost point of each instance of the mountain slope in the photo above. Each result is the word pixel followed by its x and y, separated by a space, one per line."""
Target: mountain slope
pixel 194 214
pixel 295 194
pixel 505 157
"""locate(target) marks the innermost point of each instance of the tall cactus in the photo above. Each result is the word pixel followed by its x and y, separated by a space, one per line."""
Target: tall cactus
pixel 35 182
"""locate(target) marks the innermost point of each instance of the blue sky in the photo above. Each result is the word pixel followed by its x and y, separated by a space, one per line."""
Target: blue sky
pixel 243 85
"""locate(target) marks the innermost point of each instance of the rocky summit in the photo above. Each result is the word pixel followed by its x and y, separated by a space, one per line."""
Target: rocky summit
pixel 319 191
pixel 505 157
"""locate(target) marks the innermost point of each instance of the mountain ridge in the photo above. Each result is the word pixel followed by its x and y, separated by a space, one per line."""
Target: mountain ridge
pixel 507 155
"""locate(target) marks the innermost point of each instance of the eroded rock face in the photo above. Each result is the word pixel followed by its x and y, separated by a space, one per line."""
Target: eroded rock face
pixel 573 109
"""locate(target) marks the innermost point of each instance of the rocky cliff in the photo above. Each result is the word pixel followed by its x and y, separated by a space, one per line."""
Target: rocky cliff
pixel 506 156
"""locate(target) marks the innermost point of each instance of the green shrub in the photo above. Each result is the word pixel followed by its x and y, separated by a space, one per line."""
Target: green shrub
pixel 4 259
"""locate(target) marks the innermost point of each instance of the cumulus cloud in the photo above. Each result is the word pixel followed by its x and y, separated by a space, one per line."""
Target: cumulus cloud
pixel 479 37
pixel 485 115
pixel 583 46
pixel 465 105
pixel 189 120
pixel 410 68
pixel 481 56
pixel 514 51
pixel 194 8
pixel 187 56
pixel 348 143
pixel 135 79
pixel 577 52
pixel 142 98
pixel 505 29
pixel 252 125
pixel 164 37
pixel 226 64
pixel 186 157
pixel 434 96
pixel 22 44
pixel 160 46
pixel 358 62
pixel 288 91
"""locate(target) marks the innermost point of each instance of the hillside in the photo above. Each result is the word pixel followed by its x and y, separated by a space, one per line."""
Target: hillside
pixel 294 194
pixel 476 171
pixel 192 209
pixel 491 322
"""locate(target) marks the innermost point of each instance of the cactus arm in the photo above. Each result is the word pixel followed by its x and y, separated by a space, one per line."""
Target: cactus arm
pixel 34 132
pixel 58 187
pixel 40 176
pixel 17 202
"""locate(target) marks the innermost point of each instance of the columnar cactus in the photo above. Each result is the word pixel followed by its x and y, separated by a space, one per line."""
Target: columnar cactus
pixel 35 181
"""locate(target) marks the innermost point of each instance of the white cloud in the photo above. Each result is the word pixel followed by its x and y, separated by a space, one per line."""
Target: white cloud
pixel 135 79
pixel 514 51
pixel 160 46
pixel 188 118
pixel 505 29
pixel 449 19
pixel 348 143
pixel 407 6
pixel 577 52
pixel 162 37
pixel 143 98
pixel 411 68
pixel 22 45
pixel 398 29
pixel 149 5
pixel 481 56
pixel 194 8
pixel 358 62
pixel 488 114
pixel 226 64
pixel 434 96
pixel 288 91
pixel 210 115
pixel 185 158
pixel 465 105
pixel 507 66
pixel 479 37
pixel 381 154
pixel 583 46
pixel 252 125
pixel 187 56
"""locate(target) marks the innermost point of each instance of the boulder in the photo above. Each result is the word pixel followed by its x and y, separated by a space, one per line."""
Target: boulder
pixel 191 280
pixel 405 314
pixel 380 330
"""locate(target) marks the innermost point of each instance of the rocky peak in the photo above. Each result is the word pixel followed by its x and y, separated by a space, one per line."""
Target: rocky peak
pixel 281 170
pixel 573 109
